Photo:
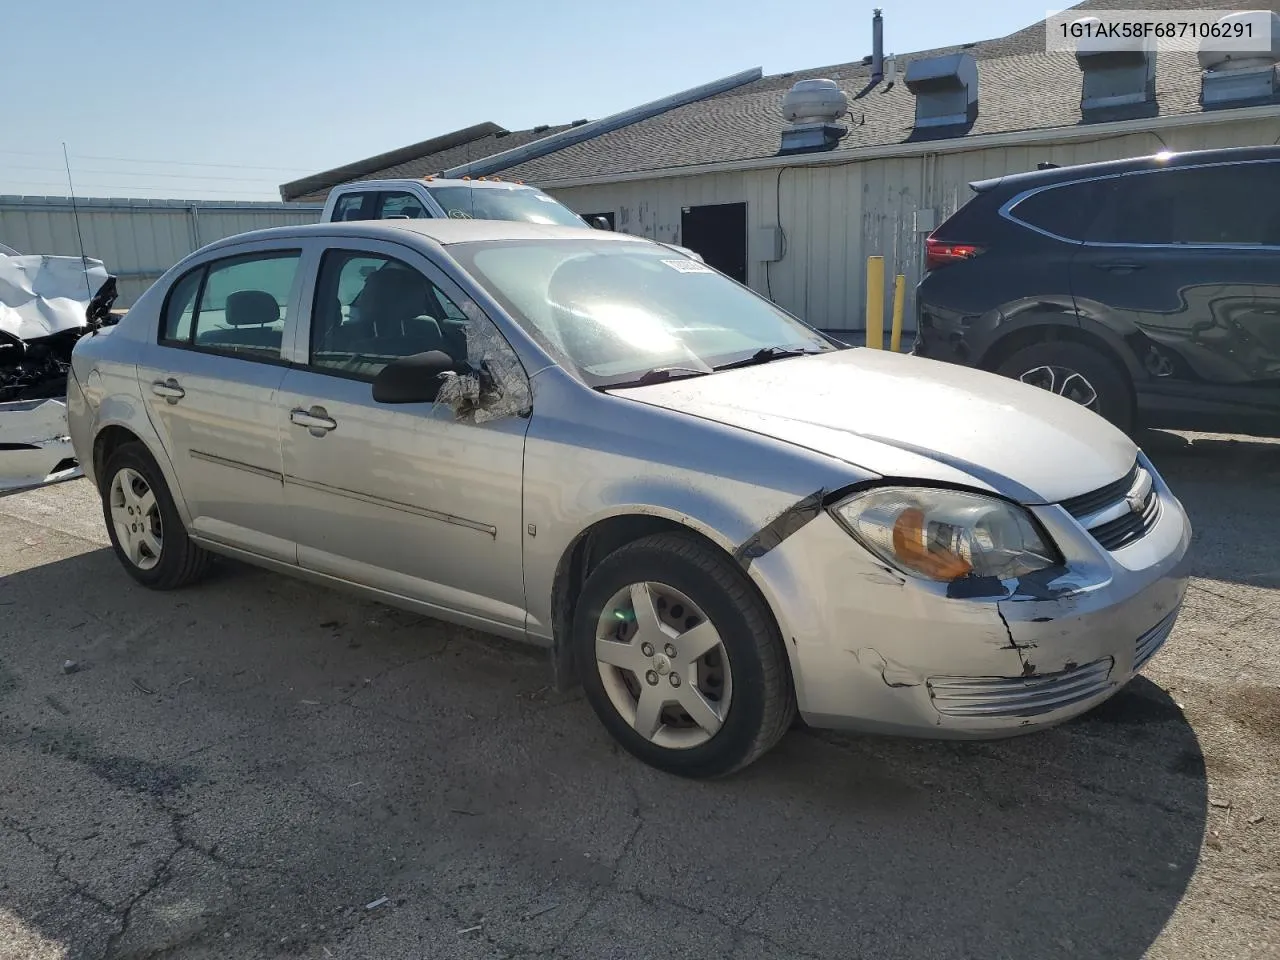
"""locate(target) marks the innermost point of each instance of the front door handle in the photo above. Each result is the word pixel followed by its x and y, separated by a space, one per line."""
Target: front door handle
pixel 1119 266
pixel 317 420
pixel 170 389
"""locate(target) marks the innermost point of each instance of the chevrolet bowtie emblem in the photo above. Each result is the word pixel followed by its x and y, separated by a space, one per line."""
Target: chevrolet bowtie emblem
pixel 1136 503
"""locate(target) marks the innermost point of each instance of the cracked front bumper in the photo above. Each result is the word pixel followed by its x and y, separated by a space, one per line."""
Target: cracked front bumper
pixel 876 651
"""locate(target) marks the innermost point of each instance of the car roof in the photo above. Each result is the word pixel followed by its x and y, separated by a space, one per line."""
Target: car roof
pixel 1164 159
pixel 435 182
pixel 441 230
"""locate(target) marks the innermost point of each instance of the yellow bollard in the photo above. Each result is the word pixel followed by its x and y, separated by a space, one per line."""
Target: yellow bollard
pixel 875 303
pixel 899 301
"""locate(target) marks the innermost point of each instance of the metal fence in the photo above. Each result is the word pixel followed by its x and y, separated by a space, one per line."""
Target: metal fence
pixel 137 239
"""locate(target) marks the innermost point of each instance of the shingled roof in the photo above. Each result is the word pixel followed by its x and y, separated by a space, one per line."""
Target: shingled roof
pixel 1021 88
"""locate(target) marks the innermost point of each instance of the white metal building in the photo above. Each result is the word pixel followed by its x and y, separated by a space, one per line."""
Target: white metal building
pixel 716 174
pixel 137 239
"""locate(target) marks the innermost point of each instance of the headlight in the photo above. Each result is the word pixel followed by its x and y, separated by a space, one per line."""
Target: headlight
pixel 945 534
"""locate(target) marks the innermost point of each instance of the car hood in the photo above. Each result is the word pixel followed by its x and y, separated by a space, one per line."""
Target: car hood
pixel 903 416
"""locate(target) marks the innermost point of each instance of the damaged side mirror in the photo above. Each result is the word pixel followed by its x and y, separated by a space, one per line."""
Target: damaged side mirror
pixel 98 313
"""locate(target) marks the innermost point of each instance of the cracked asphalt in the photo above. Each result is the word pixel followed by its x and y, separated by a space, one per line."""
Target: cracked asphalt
pixel 259 768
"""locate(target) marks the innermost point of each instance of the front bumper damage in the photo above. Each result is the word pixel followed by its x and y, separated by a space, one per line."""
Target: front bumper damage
pixel 875 651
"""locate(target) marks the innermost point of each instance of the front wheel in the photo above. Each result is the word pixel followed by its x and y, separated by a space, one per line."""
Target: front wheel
pixel 680 657
pixel 1078 372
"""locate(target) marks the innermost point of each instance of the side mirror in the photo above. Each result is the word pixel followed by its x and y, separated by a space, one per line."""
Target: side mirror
pixel 99 310
pixel 412 379
pixel 599 223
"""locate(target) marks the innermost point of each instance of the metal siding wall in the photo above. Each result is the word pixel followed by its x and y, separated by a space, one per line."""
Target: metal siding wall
pixel 835 216
pixel 136 240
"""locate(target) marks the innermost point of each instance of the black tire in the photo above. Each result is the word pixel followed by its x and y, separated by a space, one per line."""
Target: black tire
pixel 181 562
pixel 1109 380
pixel 763 704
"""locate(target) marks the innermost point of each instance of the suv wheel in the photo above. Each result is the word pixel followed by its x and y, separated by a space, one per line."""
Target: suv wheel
pixel 1077 372
pixel 681 659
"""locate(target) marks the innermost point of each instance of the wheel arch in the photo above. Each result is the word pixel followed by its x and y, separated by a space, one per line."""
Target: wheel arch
pixel 110 434
pixel 1088 333
pixel 603 537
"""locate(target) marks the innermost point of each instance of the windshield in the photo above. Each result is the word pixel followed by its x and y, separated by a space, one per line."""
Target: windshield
pixel 614 311
pixel 504 203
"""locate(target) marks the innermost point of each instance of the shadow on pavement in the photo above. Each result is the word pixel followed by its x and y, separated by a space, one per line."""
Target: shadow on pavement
pixel 1229 488
pixel 241 768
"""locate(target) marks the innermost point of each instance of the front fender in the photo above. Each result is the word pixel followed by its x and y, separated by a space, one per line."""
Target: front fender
pixel 747 527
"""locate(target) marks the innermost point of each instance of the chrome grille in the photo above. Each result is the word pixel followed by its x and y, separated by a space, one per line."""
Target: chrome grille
pixel 1088 503
pixel 1129 527
pixel 1119 513
pixel 1151 641
pixel 1018 696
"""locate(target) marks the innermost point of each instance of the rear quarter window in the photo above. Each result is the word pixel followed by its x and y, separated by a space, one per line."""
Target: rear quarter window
pixel 1066 210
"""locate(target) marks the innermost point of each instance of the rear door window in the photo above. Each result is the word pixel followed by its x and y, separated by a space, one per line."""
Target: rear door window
pixel 1232 204
pixel 236 306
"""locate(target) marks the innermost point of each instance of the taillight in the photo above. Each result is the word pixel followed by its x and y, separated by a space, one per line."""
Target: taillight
pixel 939 253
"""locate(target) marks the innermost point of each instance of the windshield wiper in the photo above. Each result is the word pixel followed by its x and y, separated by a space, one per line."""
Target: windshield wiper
pixel 662 375
pixel 767 354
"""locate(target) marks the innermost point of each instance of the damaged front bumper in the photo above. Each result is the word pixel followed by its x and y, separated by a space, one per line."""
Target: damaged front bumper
pixel 35 449
pixel 876 651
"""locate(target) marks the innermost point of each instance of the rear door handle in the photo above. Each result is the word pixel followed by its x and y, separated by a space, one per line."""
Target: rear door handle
pixel 1119 266
pixel 317 420
pixel 170 389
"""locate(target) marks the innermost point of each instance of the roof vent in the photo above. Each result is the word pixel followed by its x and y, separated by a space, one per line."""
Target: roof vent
pixel 578 123
pixel 946 90
pixel 812 107
pixel 541 127
pixel 1119 75
pixel 1242 78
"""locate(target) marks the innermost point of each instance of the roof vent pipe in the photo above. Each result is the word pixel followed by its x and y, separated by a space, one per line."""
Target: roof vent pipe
pixel 877 46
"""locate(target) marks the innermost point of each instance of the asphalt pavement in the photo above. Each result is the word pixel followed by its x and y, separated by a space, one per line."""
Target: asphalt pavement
pixel 256 767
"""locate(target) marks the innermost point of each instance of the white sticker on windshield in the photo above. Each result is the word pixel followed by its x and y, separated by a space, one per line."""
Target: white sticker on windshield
pixel 688 266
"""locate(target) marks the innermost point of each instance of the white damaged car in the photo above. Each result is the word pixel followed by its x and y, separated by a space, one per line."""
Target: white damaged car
pixel 46 305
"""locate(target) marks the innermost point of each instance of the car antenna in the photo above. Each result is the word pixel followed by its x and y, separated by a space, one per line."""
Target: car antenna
pixel 84 261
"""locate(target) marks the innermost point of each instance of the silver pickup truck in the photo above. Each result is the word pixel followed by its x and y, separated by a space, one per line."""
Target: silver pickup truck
pixel 466 199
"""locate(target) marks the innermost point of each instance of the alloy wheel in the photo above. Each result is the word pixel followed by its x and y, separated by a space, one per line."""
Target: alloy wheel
pixel 1065 382
pixel 663 665
pixel 136 518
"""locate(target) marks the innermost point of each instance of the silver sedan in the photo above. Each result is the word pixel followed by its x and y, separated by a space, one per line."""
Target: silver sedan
pixel 713 516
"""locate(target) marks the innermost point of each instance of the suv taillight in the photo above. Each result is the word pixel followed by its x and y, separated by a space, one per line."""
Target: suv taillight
pixel 939 253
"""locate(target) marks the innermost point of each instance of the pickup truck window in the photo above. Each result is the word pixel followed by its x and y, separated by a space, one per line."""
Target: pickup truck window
pixel 354 206
pixel 490 203
pixel 400 204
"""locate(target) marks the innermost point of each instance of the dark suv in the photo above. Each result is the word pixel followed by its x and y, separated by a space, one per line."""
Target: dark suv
pixel 1147 289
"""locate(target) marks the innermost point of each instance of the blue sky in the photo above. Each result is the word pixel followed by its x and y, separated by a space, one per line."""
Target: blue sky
pixel 228 99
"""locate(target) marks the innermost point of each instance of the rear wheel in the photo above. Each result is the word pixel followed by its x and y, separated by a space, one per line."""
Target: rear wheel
pixel 143 522
pixel 1078 372
pixel 680 657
